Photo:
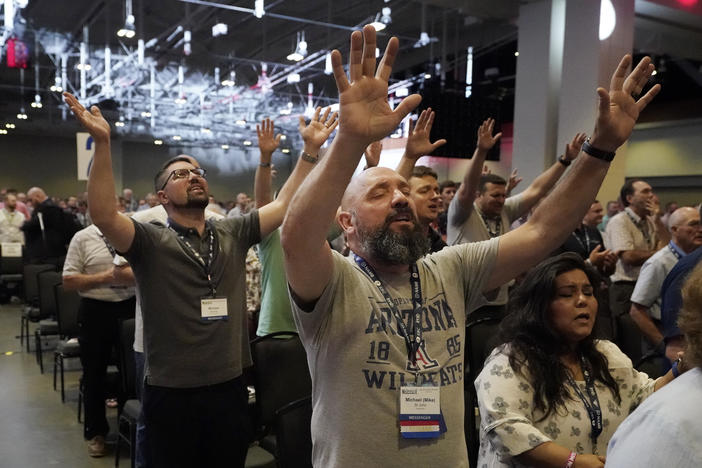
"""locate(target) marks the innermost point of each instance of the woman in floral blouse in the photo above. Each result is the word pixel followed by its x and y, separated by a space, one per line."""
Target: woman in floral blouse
pixel 552 395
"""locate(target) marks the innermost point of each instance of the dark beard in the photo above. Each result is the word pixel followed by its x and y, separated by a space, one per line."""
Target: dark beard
pixel 194 202
pixel 400 248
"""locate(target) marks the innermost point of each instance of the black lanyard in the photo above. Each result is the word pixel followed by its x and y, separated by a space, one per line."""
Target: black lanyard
pixel 586 244
pixel 498 225
pixel 675 251
pixel 412 342
pixel 592 403
pixel 108 245
pixel 206 264
pixel 640 225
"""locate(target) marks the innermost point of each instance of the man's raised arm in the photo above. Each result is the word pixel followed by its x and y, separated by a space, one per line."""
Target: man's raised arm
pixel 562 210
pixel 364 116
pixel 313 135
pixel 418 143
pixel 117 228
pixel 268 142
pixel 471 180
pixel 547 179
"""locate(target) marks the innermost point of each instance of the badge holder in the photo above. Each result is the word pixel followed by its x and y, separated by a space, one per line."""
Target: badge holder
pixel 420 412
pixel 213 308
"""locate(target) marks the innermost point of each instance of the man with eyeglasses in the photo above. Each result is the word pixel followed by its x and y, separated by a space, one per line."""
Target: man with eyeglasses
pixel 191 280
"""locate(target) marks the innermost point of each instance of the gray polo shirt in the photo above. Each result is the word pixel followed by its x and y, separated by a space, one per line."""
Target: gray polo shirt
pixel 182 349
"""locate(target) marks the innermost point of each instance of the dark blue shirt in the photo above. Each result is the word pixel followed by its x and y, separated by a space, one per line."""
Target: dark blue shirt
pixel 671 301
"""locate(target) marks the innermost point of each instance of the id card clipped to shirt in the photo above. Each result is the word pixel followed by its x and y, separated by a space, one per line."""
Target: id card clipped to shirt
pixel 213 308
pixel 420 412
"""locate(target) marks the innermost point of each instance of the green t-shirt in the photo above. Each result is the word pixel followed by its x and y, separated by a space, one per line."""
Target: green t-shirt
pixel 275 315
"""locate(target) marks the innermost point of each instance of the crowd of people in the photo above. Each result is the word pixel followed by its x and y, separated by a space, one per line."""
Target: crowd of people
pixel 380 271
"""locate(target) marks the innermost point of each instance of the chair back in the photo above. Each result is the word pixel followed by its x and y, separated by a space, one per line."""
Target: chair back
pixel 47 280
pixel 281 374
pixel 653 364
pixel 481 337
pixel 67 306
pixel 629 337
pixel 293 435
pixel 31 281
pixel 11 265
pixel 127 364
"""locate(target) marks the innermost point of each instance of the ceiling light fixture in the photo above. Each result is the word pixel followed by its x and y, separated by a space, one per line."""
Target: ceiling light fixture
pixel 225 147
pixel 37 102
pixel 128 29
pixel 328 70
pixel 22 114
pixel 177 137
pixel 300 51
pixel 377 24
pixel 3 131
pixel 219 29
pixel 231 81
pixel 10 125
pixel 56 87
pixel 247 143
pixel 293 78
pixel 158 142
pixel 259 9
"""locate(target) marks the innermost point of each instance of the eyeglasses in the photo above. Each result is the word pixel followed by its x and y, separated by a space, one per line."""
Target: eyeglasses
pixel 184 174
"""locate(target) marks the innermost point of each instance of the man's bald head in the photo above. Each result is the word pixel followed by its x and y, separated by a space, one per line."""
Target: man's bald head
pixel 362 182
pixel 685 228
pixel 36 195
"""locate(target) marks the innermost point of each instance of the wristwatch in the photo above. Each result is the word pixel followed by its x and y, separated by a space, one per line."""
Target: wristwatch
pixel 309 158
pixel 564 161
pixel 597 153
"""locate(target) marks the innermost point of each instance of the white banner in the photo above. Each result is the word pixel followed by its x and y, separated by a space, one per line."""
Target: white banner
pixel 85 149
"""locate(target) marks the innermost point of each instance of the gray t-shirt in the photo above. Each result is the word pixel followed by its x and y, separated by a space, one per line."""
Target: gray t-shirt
pixel 470 227
pixel 182 349
pixel 358 361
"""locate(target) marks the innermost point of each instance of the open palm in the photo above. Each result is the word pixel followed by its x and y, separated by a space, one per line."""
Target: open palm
pixel 618 110
pixel 318 130
pixel 364 112
pixel 92 120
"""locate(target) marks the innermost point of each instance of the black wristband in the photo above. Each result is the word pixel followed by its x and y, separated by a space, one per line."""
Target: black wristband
pixel 564 161
pixel 262 164
pixel 597 153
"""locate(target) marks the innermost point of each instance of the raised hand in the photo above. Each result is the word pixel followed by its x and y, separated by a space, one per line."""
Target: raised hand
pixel 364 112
pixel 619 108
pixel 268 142
pixel 418 143
pixel 485 139
pixel 372 153
pixel 572 149
pixel 318 130
pixel 92 120
pixel 513 181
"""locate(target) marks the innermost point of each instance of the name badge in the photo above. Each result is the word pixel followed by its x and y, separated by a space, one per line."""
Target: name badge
pixel 213 308
pixel 11 249
pixel 420 412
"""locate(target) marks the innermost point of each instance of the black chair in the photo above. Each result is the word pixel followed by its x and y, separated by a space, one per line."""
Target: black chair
pixel 629 337
pixel 11 270
pixel 129 413
pixel 292 432
pixel 651 363
pixel 481 337
pixel 31 312
pixel 48 326
pixel 281 376
pixel 67 305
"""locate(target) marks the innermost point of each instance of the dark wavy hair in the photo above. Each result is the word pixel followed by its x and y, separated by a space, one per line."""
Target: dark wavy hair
pixel 534 346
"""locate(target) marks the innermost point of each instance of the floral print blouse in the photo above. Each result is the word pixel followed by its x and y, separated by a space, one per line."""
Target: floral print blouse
pixel 508 424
